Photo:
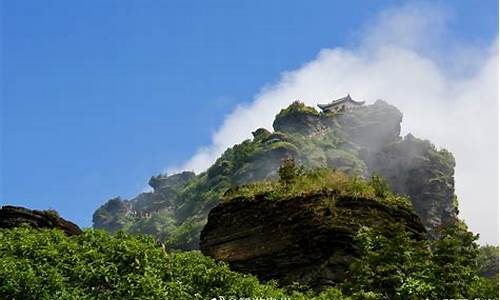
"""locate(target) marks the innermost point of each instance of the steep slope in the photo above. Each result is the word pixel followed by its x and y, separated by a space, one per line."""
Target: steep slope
pixel 360 142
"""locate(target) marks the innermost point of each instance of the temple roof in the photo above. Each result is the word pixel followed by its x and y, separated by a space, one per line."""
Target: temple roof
pixel 340 101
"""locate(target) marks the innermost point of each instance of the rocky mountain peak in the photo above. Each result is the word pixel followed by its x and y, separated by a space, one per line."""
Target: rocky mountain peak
pixel 361 141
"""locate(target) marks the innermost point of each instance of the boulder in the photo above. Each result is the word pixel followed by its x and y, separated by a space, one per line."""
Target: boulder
pixel 15 216
pixel 308 240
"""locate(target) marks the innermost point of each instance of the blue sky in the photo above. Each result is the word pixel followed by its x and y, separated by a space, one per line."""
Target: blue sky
pixel 97 96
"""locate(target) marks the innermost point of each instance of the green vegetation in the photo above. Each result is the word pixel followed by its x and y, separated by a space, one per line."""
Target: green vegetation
pixel 289 172
pixel 488 260
pixel 400 267
pixel 391 268
pixel 51 212
pixel 46 264
pixel 297 107
pixel 295 182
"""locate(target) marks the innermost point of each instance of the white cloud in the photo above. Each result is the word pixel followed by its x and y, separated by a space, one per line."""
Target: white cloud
pixel 447 91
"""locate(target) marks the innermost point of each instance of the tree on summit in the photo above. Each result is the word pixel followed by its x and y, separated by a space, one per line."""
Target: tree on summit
pixel 289 171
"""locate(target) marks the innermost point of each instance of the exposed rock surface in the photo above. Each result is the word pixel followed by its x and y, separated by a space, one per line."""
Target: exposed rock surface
pixel 305 239
pixel 299 119
pixel 15 216
pixel 372 127
pixel 415 168
pixel 363 141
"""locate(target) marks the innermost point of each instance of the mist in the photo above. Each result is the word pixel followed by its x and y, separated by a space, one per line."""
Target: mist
pixel 446 89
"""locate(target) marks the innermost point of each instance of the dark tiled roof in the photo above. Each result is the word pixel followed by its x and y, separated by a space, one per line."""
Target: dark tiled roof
pixel 339 101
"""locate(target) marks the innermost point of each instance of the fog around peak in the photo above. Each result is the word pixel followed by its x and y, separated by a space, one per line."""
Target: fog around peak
pixel 446 89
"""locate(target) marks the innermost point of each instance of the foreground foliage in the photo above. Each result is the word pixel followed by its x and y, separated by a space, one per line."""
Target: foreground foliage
pixel 488 260
pixel 399 267
pixel 46 264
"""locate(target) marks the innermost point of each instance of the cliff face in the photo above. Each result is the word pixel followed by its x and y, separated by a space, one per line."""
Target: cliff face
pixel 305 239
pixel 367 141
pixel 15 216
pixel 360 142
pixel 415 168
